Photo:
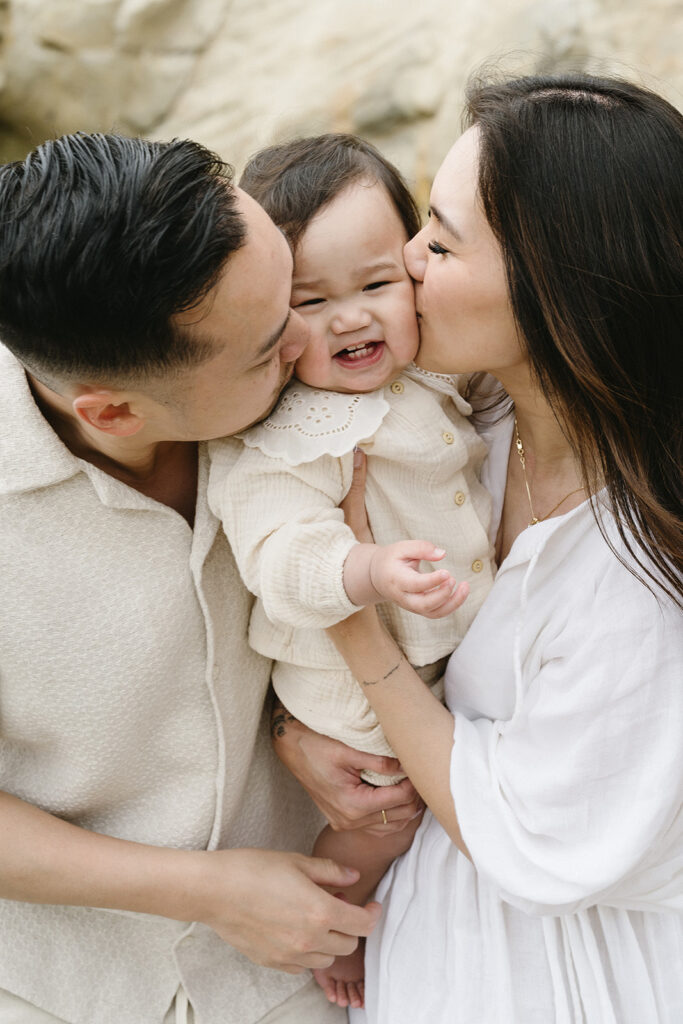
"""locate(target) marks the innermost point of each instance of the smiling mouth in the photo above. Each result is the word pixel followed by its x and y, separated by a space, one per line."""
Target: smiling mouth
pixel 365 353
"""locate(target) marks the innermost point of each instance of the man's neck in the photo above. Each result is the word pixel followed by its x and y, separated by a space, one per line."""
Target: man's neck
pixel 163 470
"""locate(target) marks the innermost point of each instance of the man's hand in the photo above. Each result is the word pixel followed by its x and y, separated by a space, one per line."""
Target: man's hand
pixel 330 772
pixel 270 907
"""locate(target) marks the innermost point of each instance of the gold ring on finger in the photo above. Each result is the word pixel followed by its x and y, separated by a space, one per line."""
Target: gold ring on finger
pixel 384 817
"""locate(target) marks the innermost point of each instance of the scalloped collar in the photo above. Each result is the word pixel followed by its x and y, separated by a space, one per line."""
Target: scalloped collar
pixel 309 422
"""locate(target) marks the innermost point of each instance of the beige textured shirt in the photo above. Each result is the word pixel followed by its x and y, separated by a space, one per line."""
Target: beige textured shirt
pixel 130 704
pixel 278 503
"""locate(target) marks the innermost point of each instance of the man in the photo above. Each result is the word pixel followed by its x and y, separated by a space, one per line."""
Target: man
pixel 144 303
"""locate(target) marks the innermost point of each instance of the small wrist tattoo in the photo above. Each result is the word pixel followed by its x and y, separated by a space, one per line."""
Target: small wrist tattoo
pixel 279 720
pixel 374 682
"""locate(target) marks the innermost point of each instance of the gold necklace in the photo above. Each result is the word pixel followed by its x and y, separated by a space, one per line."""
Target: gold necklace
pixel 534 518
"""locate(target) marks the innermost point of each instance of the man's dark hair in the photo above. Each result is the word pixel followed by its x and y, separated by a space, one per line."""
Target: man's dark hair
pixel 293 181
pixel 102 239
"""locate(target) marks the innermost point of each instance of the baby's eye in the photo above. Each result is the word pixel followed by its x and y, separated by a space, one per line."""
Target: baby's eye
pixel 307 302
pixel 435 247
pixel 375 284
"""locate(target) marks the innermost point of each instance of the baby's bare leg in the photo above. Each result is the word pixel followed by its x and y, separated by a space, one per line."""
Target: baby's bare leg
pixel 371 854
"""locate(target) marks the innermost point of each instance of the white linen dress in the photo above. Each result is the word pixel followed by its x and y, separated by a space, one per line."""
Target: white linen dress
pixel 566 773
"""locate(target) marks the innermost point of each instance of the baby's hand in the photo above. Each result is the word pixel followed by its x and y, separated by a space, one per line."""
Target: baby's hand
pixel 395 575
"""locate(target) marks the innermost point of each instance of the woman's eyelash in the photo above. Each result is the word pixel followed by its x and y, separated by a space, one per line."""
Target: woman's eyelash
pixel 435 247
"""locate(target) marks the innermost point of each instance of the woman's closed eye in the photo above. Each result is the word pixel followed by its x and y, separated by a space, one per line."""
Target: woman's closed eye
pixel 436 248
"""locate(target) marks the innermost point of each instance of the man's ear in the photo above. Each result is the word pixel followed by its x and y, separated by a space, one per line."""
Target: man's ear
pixel 107 412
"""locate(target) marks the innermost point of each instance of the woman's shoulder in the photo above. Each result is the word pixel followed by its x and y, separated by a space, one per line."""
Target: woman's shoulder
pixel 585 554
pixel 628 574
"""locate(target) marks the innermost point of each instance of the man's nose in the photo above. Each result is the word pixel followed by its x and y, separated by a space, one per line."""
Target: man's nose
pixel 298 337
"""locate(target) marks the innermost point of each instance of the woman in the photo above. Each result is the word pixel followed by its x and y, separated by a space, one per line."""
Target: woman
pixel 545 883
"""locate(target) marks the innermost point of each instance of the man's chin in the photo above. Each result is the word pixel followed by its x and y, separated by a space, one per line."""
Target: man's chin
pixel 285 378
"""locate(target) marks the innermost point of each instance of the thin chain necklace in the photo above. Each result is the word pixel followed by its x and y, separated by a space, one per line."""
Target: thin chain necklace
pixel 534 518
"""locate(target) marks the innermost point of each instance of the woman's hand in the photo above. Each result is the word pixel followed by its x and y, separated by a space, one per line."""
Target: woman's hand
pixel 353 505
pixel 330 772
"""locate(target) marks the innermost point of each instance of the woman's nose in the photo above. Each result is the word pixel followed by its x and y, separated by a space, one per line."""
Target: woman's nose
pixel 415 256
pixel 349 318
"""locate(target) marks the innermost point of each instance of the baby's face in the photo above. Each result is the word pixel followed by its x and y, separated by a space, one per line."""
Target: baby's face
pixel 352 288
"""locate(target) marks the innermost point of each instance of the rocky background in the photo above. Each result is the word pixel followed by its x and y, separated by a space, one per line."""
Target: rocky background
pixel 237 74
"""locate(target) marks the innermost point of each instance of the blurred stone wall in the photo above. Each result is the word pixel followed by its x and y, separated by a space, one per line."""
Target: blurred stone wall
pixel 237 74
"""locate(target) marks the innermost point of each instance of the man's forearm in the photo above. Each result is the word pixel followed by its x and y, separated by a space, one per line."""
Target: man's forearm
pixel 269 905
pixel 46 860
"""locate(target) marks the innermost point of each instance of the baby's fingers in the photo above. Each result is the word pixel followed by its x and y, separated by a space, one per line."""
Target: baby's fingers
pixel 413 582
pixel 423 603
pixel 418 550
pixel 438 605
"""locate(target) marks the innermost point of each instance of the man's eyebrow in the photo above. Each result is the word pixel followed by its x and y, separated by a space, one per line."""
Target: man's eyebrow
pixel 273 339
pixel 444 221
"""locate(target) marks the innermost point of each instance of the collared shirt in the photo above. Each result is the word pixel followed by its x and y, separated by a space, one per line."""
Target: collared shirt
pixel 131 705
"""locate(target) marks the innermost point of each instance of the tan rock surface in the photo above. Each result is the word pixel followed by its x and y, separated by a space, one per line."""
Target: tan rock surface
pixel 237 74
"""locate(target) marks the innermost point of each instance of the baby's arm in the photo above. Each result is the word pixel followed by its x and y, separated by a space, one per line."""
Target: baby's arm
pixel 295 552
pixel 287 533
pixel 391 572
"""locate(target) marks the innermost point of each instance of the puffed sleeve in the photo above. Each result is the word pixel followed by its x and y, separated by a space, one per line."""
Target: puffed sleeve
pixel 576 799
pixel 288 535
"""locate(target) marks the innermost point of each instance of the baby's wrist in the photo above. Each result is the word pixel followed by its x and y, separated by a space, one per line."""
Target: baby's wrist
pixel 375 579
pixel 358 575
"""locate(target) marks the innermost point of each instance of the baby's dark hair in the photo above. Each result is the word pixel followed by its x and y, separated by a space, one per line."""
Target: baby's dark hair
pixel 294 180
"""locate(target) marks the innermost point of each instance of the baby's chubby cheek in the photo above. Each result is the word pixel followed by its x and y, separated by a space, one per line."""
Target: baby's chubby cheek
pixel 314 366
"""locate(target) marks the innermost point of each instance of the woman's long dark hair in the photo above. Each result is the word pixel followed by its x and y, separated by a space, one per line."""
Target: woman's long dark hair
pixel 580 178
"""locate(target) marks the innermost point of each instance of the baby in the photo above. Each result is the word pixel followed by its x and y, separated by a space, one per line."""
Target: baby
pixel 347 214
